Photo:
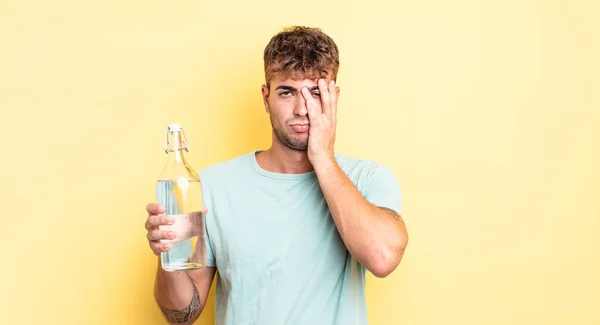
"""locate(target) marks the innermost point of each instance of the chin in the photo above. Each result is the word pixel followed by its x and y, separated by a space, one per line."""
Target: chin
pixel 297 146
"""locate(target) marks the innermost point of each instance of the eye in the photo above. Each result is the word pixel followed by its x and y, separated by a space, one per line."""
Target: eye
pixel 285 93
pixel 316 94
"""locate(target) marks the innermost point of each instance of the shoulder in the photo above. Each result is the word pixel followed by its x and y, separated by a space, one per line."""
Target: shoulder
pixel 226 168
pixel 375 180
pixel 360 168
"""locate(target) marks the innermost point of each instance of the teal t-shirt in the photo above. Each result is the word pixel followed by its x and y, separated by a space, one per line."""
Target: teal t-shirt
pixel 279 257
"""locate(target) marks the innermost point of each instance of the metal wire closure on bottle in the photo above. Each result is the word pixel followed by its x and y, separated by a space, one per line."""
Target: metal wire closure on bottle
pixel 184 140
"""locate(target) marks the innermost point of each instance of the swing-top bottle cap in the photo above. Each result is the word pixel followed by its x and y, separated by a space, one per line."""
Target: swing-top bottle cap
pixel 180 136
pixel 174 127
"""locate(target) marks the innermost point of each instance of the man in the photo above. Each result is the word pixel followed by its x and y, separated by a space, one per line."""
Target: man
pixel 292 229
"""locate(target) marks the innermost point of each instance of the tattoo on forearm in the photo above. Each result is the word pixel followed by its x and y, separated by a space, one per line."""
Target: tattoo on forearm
pixel 394 214
pixel 183 315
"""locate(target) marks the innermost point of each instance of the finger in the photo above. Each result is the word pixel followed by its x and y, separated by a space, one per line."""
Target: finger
pixel 156 220
pixel 333 93
pixel 157 234
pixel 311 106
pixel 325 96
pixel 155 208
pixel 158 248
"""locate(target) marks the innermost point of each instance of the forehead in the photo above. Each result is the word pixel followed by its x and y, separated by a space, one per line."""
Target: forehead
pixel 296 83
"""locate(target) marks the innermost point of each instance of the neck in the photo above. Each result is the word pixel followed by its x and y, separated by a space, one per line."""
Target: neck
pixel 281 159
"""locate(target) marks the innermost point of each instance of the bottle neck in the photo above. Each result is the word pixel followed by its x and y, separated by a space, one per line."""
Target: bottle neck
pixel 174 147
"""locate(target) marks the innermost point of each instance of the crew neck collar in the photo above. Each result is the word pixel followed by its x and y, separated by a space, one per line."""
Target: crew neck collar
pixel 269 174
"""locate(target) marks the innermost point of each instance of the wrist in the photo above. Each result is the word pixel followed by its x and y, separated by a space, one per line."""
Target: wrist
pixel 323 163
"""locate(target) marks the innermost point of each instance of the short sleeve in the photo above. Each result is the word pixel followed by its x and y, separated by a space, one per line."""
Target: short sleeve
pixel 210 256
pixel 208 218
pixel 383 189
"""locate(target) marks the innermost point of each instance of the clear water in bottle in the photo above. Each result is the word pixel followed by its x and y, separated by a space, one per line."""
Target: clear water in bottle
pixel 182 199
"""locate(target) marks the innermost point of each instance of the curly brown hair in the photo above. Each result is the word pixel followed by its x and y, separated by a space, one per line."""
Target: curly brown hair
pixel 301 52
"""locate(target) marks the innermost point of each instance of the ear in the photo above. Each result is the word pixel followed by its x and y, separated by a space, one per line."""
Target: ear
pixel 265 95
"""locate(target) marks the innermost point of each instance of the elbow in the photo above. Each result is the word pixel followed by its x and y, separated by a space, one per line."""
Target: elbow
pixel 385 264
pixel 387 260
pixel 382 271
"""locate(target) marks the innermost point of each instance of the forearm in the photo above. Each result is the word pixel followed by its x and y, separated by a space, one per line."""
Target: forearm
pixel 376 237
pixel 177 297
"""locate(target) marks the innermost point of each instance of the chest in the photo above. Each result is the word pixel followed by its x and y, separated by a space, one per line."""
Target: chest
pixel 258 229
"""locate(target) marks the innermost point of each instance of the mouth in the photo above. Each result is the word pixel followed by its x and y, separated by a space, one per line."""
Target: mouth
pixel 300 128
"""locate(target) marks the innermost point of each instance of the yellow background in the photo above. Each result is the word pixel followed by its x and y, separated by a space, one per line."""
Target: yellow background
pixel 487 111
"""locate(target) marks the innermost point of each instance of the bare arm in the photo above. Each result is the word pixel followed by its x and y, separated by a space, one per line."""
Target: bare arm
pixel 180 295
pixel 376 237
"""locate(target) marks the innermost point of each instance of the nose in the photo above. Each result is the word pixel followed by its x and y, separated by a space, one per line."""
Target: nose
pixel 300 106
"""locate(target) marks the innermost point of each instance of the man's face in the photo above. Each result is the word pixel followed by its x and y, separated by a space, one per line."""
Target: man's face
pixel 287 109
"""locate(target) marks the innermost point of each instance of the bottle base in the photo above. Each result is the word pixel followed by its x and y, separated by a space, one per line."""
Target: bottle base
pixel 183 267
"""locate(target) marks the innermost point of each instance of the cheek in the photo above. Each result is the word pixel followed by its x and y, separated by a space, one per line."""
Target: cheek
pixel 281 108
pixel 275 114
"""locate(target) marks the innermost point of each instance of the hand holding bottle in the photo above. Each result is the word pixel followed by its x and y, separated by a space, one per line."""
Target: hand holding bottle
pixel 165 230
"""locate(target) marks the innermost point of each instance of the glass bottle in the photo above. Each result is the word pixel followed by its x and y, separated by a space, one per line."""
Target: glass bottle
pixel 179 190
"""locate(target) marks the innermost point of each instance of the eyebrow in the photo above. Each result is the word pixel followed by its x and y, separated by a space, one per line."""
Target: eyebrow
pixel 290 88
